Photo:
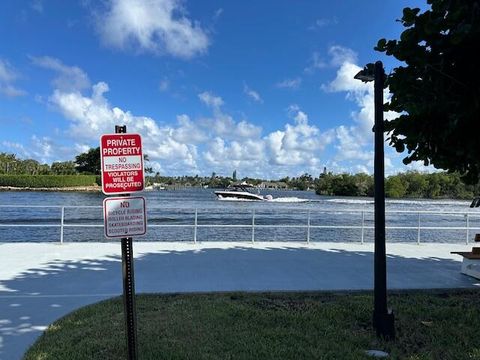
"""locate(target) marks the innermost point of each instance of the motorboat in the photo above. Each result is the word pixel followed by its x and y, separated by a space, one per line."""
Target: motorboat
pixel 154 186
pixel 240 192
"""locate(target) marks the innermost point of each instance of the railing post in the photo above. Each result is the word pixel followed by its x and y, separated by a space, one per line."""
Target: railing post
pixel 61 224
pixel 253 226
pixel 418 230
pixel 363 225
pixel 308 228
pixel 195 227
pixel 468 228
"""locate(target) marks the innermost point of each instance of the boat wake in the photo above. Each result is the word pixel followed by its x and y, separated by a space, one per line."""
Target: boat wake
pixel 429 202
pixel 279 200
pixel 401 201
pixel 236 199
pixel 288 200
pixel 350 201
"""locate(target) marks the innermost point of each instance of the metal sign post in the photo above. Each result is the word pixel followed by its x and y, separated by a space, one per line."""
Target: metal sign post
pixel 128 286
pixel 129 297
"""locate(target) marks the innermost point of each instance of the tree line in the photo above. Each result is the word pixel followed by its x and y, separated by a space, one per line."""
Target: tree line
pixel 10 164
pixel 87 163
pixel 411 184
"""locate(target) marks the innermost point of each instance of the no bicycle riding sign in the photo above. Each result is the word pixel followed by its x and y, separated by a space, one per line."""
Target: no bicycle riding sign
pixel 122 173
pixel 124 216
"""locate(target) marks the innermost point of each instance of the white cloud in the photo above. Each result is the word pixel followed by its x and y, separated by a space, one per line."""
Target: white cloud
pixel 217 142
pixel 157 26
pixel 222 124
pixel 92 116
pixel 37 5
pixel 252 94
pixel 420 166
pixel 299 143
pixel 350 146
pixel 211 100
pixel 68 78
pixel 354 144
pixel 17 148
pixel 41 148
pixel 81 148
pixel 344 81
pixel 251 151
pixel 11 91
pixel 217 13
pixel 245 129
pixel 323 22
pixel 188 132
pixel 8 75
pixel 340 55
pixel 290 83
pixel 164 85
pixel 316 62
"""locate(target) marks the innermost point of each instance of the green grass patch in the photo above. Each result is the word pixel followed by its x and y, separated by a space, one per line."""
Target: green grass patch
pixel 47 181
pixel 434 325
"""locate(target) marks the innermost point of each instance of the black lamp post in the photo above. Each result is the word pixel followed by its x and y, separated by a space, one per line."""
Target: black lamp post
pixel 383 319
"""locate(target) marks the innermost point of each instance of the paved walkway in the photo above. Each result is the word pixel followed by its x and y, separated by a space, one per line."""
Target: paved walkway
pixel 41 282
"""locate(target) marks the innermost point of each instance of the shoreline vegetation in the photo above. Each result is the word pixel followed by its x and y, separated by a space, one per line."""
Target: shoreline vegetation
pixel 83 174
pixel 93 188
pixel 48 182
pixel 410 185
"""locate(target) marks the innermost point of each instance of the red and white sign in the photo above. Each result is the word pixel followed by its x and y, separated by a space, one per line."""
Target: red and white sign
pixel 122 163
pixel 124 216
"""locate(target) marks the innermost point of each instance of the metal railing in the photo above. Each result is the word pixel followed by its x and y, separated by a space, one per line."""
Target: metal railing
pixel 307 225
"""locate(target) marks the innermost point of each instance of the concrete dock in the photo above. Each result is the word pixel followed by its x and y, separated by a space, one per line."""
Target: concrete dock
pixel 41 282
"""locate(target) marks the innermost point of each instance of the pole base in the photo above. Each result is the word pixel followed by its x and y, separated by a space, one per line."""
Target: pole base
pixel 384 324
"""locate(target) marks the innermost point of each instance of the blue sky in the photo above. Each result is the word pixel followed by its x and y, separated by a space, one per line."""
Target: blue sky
pixel 263 87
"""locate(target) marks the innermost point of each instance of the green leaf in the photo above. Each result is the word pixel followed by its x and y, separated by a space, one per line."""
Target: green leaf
pixel 381 45
pixel 409 16
pixel 435 91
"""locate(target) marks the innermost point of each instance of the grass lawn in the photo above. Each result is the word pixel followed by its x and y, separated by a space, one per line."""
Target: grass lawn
pixel 430 325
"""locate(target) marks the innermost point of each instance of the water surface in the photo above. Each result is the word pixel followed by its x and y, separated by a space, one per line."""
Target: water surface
pixel 171 216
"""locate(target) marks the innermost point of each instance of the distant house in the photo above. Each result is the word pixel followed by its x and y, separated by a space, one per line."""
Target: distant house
pixel 273 185
pixel 282 185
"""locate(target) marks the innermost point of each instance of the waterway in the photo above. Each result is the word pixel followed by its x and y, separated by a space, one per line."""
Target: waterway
pixel 175 211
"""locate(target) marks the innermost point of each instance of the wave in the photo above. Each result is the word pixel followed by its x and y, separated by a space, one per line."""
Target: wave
pixel 289 200
pixel 350 201
pixel 429 202
pixel 237 199
pixel 402 201
pixel 279 200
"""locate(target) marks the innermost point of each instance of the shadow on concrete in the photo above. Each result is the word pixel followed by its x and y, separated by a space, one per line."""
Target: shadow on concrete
pixel 41 295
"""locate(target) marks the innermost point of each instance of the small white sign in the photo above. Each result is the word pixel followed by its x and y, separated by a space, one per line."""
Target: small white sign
pixel 124 216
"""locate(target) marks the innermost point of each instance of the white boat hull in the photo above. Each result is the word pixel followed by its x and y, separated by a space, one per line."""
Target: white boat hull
pixel 238 195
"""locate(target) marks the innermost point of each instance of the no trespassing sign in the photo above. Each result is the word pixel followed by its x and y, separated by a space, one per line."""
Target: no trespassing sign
pixel 122 163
